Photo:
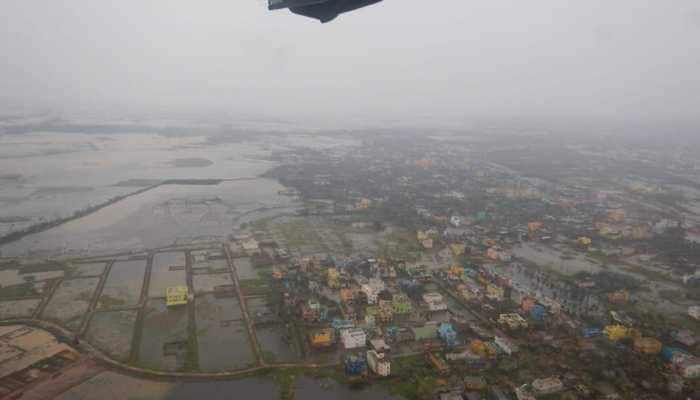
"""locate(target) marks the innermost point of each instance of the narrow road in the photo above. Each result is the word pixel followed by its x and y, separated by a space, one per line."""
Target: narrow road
pixel 95 298
pixel 47 297
pixel 244 307
pixel 192 321
pixel 136 338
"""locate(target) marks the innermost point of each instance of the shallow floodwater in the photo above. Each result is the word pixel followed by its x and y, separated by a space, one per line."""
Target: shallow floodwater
pixel 156 218
pixel 123 285
pixel 113 386
pixel 551 258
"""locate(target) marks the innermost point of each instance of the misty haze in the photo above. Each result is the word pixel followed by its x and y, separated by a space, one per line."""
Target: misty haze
pixel 350 199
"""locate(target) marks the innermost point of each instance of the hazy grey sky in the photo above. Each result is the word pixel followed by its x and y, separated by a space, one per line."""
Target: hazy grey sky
pixel 402 58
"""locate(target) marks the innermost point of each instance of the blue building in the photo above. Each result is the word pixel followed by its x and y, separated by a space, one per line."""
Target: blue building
pixel 448 334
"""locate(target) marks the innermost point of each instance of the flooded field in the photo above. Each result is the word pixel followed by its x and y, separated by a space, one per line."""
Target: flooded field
pixel 156 218
pixel 85 269
pixel 553 259
pixel 18 308
pixel 112 331
pixel 123 285
pixel 207 283
pixel 164 337
pixel 311 389
pixel 244 268
pixel 277 343
pixel 70 301
pixel 222 336
pixel 114 386
pixel 209 261
pixel 168 271
pixel 54 174
pixel 10 277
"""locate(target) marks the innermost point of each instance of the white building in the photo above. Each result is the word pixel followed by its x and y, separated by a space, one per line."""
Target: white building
pixel 378 363
pixel 251 246
pixel 694 312
pixel 434 301
pixel 372 289
pixel 513 321
pixel 547 385
pixel 456 221
pixel 494 292
pixel 522 393
pixel 690 369
pixel 353 338
pixel 506 345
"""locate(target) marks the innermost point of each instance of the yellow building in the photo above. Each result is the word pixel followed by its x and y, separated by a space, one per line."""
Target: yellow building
pixel 616 332
pixel 584 241
pixel 457 249
pixel 332 278
pixel 322 338
pixel 175 296
pixel 346 296
pixel 647 345
pixel 456 270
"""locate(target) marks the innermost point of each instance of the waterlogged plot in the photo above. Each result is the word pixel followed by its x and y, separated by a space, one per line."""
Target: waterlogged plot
pixel 277 343
pixel 222 335
pixel 85 269
pixel 123 285
pixel 208 261
pixel 112 331
pixel 168 271
pixel 164 338
pixel 70 302
pixel 18 308
pixel 244 267
pixel 208 283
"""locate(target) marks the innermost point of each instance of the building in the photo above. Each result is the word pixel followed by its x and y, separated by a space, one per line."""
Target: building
pixel 451 396
pixel 347 297
pixel 690 368
pixel 311 310
pixel 522 393
pixel 378 314
pixel 647 345
pixel 378 363
pixel 512 321
pixel 694 312
pixel 425 332
pixel 438 363
pixel 619 297
pixel 494 292
pixel 332 278
pixel 322 338
pixel 476 383
pixel 175 296
pixel 355 364
pixel 372 289
pixel 353 338
pixel 402 304
pixel 547 386
pixel 251 246
pixel 448 334
pixel 505 345
pixel 434 301
pixel 379 345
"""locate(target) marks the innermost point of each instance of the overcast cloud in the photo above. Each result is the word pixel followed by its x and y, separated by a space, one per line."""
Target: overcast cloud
pixel 401 58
